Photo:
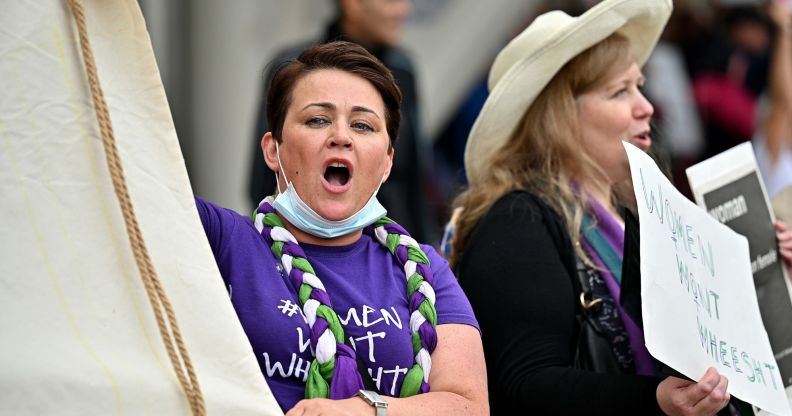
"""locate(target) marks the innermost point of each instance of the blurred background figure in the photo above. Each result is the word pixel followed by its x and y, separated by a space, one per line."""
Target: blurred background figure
pixel 742 83
pixel 677 131
pixel 212 59
pixel 376 25
pixel 729 75
pixel 714 62
pixel 773 139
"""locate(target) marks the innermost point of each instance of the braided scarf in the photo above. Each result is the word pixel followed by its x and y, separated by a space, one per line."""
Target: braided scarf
pixel 333 371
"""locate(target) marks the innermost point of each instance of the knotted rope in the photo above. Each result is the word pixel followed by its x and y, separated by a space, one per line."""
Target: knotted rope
pixel 156 293
pixel 333 372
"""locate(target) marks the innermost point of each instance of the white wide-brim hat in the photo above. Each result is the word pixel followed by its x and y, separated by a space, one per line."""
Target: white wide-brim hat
pixel 527 64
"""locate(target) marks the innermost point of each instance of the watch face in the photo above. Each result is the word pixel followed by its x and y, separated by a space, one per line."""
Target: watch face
pixel 364 394
pixel 372 398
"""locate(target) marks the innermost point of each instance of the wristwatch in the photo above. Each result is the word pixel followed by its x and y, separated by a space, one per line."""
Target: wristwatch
pixel 374 399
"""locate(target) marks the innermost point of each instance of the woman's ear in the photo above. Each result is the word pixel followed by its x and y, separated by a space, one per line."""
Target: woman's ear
pixel 385 176
pixel 270 151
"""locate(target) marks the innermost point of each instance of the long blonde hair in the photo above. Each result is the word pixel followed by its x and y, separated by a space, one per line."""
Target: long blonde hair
pixel 543 155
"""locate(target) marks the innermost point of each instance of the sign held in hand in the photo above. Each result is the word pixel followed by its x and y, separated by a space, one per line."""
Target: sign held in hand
pixel 698 298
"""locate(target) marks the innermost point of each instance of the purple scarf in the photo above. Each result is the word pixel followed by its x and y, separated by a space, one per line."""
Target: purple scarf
pixel 613 236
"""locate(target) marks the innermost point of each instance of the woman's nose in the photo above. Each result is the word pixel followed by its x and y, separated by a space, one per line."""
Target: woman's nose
pixel 340 136
pixel 643 108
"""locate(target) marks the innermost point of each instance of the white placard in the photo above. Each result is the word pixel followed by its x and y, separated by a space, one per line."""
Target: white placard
pixel 730 187
pixel 698 299
pixel 78 333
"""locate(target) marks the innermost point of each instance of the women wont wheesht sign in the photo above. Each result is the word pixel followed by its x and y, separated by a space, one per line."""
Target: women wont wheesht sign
pixel 697 291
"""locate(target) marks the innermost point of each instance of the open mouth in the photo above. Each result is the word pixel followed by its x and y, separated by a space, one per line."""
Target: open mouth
pixel 337 174
pixel 642 141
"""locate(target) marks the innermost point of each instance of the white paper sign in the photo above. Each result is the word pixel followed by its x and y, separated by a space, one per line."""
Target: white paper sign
pixel 698 298
pixel 78 336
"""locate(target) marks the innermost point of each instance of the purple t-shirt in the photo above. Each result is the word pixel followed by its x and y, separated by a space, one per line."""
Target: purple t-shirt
pixel 368 289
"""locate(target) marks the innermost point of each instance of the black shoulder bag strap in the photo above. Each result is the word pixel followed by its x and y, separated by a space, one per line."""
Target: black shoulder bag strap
pixel 593 351
pixel 587 303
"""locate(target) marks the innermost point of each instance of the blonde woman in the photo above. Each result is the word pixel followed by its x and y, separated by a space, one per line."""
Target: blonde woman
pixel 539 220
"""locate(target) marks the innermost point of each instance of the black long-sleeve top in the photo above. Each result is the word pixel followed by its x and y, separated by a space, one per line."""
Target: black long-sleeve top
pixel 517 269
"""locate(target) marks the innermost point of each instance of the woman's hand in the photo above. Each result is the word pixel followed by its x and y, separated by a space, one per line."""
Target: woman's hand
pixel 784 237
pixel 686 398
pixel 354 406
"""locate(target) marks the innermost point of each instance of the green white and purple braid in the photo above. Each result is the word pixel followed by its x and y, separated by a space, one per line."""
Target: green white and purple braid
pixel 333 372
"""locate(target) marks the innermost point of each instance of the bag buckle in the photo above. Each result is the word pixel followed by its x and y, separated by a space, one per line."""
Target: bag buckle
pixel 588 304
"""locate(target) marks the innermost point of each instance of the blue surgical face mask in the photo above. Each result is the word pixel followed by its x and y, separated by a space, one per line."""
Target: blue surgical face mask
pixel 298 213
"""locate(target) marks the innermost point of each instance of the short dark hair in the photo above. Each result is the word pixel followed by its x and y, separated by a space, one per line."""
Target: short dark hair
pixel 344 56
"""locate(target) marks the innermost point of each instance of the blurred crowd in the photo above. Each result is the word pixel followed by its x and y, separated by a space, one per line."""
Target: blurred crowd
pixel 544 240
pixel 720 75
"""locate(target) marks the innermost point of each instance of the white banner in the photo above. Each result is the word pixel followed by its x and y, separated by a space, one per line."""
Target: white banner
pixel 697 291
pixel 78 333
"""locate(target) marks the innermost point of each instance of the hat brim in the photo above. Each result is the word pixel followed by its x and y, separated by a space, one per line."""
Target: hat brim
pixel 640 21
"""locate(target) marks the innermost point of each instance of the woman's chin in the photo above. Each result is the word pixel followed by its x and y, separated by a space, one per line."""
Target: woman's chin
pixel 334 211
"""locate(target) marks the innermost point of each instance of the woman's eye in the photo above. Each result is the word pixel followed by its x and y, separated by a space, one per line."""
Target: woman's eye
pixel 359 126
pixel 620 93
pixel 316 122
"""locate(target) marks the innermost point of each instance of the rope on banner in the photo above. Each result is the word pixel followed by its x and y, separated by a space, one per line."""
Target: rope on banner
pixel 156 293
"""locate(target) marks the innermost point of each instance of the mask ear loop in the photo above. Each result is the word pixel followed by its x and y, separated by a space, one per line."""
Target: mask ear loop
pixel 280 168
pixel 376 191
pixel 384 176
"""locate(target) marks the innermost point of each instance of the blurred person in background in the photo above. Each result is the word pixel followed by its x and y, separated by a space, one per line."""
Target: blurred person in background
pixel 731 73
pixel 773 139
pixel 377 26
pixel 677 131
pixel 743 88
pixel 539 219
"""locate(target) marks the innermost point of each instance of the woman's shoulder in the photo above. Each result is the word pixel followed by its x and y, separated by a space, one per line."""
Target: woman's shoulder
pixel 521 205
pixel 211 212
pixel 220 224
pixel 436 261
pixel 517 221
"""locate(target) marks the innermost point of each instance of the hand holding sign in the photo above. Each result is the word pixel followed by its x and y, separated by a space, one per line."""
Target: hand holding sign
pixel 678 396
pixel 699 307
pixel 784 244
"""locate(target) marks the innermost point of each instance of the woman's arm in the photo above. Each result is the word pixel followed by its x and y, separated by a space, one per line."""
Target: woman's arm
pixel 777 126
pixel 458 377
pixel 458 383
